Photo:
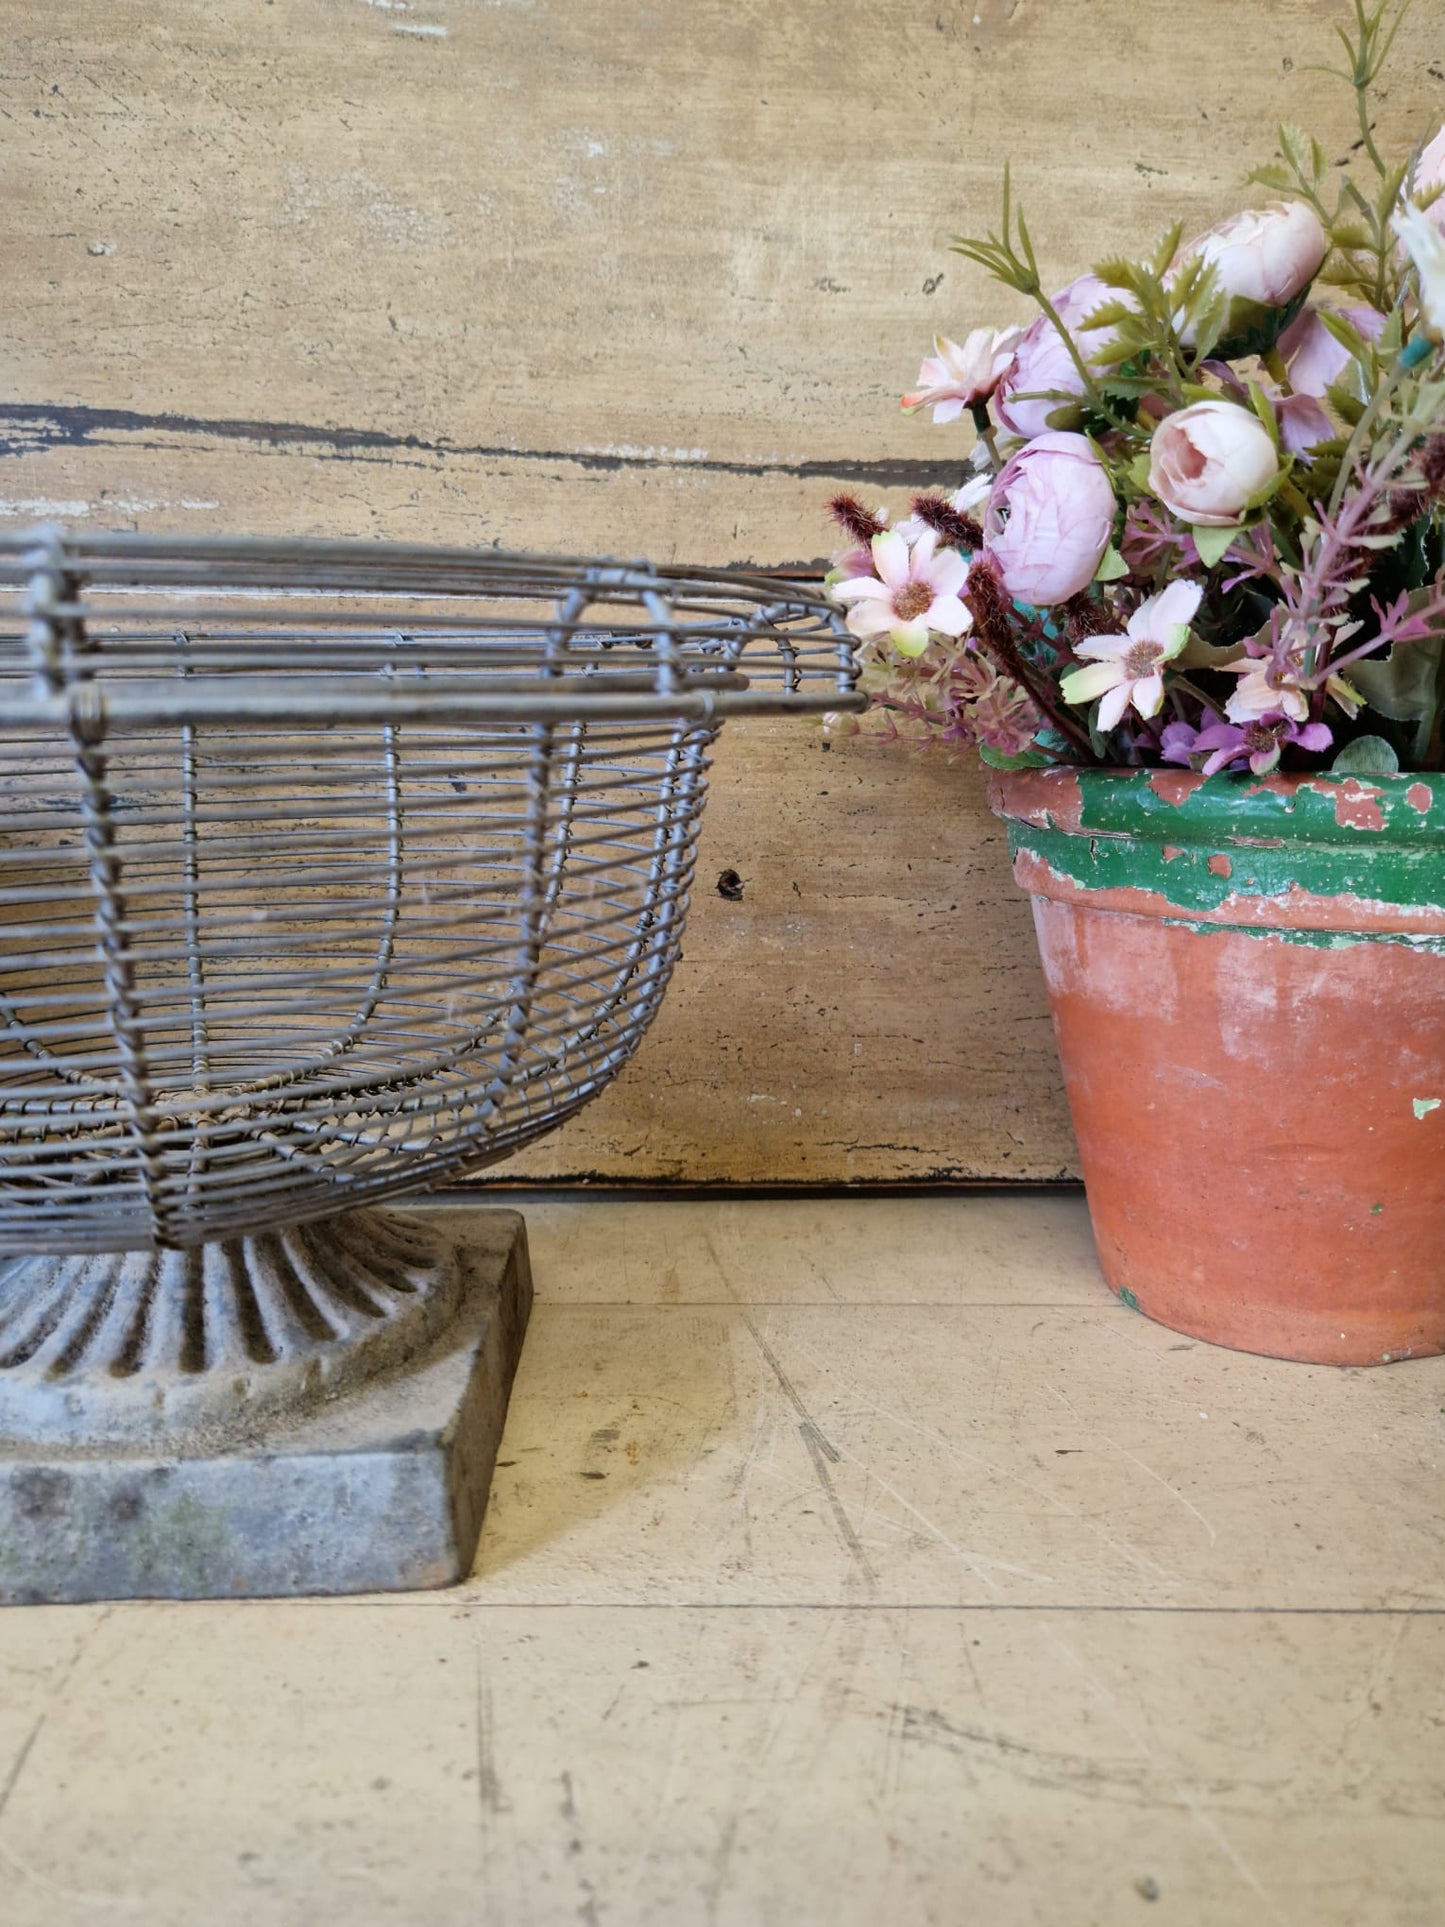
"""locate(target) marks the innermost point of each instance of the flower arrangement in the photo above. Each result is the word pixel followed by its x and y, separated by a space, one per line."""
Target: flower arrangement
pixel 1203 521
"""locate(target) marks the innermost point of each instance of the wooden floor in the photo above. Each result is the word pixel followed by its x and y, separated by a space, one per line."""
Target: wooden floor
pixel 848 1562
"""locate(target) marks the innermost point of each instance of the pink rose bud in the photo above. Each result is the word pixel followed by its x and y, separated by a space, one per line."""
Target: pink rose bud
pixel 1049 518
pixel 1313 357
pixel 1208 461
pixel 1266 254
pixel 1264 258
pixel 1042 367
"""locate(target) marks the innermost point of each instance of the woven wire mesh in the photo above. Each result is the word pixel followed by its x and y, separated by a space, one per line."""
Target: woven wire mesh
pixel 327 870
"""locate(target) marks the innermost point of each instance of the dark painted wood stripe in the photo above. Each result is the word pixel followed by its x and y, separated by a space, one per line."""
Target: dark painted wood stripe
pixel 30 428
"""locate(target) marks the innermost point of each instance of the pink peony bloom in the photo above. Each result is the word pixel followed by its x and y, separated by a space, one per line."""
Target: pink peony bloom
pixel 914 592
pixel 1049 518
pixel 1042 367
pixel 956 377
pixel 1130 668
pixel 1208 461
pixel 1264 257
pixel 1313 357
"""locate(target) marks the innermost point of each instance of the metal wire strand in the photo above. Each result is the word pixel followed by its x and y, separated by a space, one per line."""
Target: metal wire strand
pixel 327 870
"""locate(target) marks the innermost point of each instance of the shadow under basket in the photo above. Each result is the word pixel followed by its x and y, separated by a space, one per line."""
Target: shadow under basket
pixel 1247 978
pixel 328 872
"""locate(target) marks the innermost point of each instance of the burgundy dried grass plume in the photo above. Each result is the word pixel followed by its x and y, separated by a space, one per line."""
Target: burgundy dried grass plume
pixel 948 523
pixel 855 520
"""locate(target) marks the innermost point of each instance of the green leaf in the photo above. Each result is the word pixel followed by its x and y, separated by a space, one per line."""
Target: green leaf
pixel 1349 234
pixel 1367 756
pixel 1405 685
pixel 1271 175
pixel 1346 406
pixel 1109 315
pixel 1119 273
pixel 1259 402
pixel 1138 471
pixel 1165 249
pixel 1389 193
pixel 1212 542
pixel 1022 759
pixel 1298 152
pixel 1112 567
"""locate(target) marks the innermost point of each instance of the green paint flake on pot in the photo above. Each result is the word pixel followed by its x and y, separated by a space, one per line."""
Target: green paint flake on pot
pixel 1192 878
pixel 1422 1106
pixel 1128 1298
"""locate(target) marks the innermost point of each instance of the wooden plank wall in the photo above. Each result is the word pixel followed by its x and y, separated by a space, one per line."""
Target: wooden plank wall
pixel 646 279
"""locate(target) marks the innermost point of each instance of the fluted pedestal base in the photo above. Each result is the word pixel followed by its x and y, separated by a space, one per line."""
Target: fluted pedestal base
pixel 311 1411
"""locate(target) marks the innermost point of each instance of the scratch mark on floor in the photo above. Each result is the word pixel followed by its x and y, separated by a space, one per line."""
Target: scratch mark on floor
pixel 489 1787
pixel 816 1444
pixel 12 1778
pixel 1134 1459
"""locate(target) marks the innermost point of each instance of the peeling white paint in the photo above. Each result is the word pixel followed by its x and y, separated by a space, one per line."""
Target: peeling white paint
pixel 46 505
pixel 429 32
pixel 43 505
pixel 629 452
pixel 376 211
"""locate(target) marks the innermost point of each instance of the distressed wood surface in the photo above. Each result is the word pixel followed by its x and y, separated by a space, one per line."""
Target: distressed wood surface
pixel 647 280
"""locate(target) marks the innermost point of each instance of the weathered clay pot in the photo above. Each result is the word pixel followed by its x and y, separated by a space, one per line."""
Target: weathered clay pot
pixel 1248 986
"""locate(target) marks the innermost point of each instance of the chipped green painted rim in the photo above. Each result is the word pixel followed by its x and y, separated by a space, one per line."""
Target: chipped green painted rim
pixel 1318 858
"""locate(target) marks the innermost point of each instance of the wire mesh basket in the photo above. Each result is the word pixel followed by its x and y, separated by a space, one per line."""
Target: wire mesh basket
pixel 329 870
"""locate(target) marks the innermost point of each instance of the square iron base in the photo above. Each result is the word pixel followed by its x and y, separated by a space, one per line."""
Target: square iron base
pixel 381 1490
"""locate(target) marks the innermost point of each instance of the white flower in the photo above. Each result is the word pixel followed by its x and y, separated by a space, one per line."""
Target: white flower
pixel 1130 668
pixel 914 593
pixel 958 376
pixel 1425 245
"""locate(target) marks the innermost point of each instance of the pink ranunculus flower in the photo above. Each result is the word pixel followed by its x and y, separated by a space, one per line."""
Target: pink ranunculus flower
pixel 1313 357
pixel 1129 669
pixel 913 594
pixel 1264 258
pixel 1207 461
pixel 1042 368
pixel 958 376
pixel 1049 518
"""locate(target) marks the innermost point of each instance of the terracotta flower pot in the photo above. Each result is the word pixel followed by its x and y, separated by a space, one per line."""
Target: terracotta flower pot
pixel 1248 986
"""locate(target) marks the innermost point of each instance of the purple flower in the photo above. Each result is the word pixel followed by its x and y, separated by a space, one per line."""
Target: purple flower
pixel 1042 368
pixel 1176 742
pixel 1259 743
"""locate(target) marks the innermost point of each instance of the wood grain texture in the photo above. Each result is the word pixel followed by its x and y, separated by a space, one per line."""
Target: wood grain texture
pixel 648 280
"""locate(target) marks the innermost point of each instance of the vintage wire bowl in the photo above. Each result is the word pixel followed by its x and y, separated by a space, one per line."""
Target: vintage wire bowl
pixel 330 870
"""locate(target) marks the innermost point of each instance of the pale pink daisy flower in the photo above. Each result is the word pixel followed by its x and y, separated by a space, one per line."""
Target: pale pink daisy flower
pixel 961 375
pixel 913 594
pixel 1130 668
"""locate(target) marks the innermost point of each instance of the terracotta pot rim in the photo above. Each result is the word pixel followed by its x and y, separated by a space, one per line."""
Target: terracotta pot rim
pixel 1321 856
pixel 1173 805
